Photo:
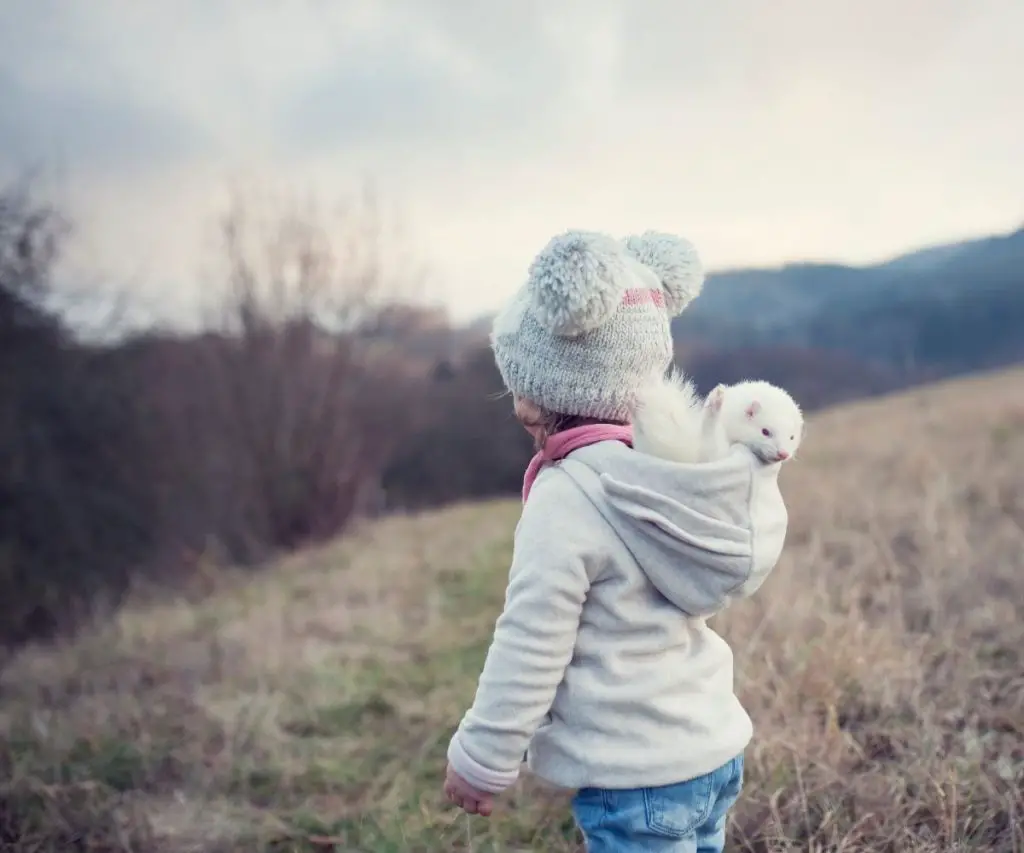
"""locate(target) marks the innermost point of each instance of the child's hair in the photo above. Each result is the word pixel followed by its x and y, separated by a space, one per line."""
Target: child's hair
pixel 548 424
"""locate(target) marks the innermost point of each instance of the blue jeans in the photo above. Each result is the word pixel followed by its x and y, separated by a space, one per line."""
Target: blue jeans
pixel 688 817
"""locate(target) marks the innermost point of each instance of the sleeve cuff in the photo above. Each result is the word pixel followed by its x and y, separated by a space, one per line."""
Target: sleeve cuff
pixel 480 777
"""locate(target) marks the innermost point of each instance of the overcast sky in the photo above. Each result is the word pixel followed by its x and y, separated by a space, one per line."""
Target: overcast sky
pixel 763 131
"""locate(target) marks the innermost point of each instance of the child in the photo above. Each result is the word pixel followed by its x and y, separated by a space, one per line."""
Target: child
pixel 602 664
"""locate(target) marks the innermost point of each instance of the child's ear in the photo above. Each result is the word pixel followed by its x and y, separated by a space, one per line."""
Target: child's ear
pixel 753 408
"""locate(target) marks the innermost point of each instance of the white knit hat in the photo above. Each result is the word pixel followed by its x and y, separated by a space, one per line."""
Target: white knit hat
pixel 591 323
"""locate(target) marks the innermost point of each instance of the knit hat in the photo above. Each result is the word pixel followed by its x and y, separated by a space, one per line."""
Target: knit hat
pixel 591 323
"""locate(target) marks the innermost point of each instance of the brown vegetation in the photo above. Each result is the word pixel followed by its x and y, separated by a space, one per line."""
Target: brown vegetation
pixel 267 431
pixel 308 708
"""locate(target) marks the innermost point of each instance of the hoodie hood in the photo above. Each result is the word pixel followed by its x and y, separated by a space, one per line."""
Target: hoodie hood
pixel 702 533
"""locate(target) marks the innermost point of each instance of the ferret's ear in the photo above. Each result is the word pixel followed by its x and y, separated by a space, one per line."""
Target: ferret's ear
pixel 674 261
pixel 753 408
pixel 715 398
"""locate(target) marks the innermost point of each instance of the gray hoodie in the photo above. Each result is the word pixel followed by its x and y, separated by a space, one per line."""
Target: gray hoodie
pixel 602 663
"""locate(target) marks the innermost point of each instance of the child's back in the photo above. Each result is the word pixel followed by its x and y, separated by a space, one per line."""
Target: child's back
pixel 618 556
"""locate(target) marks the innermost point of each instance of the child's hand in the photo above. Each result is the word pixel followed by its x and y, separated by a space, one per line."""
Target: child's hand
pixel 465 796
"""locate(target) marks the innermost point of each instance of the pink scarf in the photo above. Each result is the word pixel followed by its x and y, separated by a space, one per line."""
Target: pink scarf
pixel 561 444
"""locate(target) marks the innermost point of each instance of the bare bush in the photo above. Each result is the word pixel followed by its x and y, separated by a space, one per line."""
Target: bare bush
pixel 276 423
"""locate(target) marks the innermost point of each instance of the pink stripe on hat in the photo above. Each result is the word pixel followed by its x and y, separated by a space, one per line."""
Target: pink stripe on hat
pixel 640 296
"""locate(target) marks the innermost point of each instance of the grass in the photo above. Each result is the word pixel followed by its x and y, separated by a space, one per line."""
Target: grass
pixel 308 709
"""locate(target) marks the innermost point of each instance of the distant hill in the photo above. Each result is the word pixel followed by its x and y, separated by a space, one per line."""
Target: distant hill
pixel 816 378
pixel 943 310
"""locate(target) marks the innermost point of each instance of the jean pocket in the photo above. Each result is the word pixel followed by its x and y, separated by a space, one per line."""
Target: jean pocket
pixel 677 811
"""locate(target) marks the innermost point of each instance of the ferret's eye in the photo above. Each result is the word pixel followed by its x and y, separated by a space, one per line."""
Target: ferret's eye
pixel 766 432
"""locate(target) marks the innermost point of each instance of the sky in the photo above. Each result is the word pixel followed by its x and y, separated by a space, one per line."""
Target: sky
pixel 763 132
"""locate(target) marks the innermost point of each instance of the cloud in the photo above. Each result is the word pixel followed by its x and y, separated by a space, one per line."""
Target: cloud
pixel 101 132
pixel 765 131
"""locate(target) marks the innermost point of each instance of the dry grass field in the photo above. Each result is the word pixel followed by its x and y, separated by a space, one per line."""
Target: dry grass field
pixel 309 708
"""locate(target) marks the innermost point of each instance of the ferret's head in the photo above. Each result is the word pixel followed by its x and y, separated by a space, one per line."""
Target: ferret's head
pixel 764 418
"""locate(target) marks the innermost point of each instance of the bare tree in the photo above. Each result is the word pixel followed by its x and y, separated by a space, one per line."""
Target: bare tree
pixel 288 409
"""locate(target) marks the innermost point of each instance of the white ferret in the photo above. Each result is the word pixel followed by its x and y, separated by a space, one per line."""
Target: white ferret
pixel 672 422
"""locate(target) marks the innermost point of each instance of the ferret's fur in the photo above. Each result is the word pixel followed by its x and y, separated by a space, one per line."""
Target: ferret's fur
pixel 672 422
pixel 668 420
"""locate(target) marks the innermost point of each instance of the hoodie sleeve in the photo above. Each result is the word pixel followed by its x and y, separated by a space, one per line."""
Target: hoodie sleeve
pixel 534 639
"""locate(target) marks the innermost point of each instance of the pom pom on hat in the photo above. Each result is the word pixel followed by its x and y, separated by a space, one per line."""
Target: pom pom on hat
pixel 676 263
pixel 577 282
pixel 570 340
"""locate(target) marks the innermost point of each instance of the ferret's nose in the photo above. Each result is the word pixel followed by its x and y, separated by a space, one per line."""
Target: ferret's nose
pixel 783 455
